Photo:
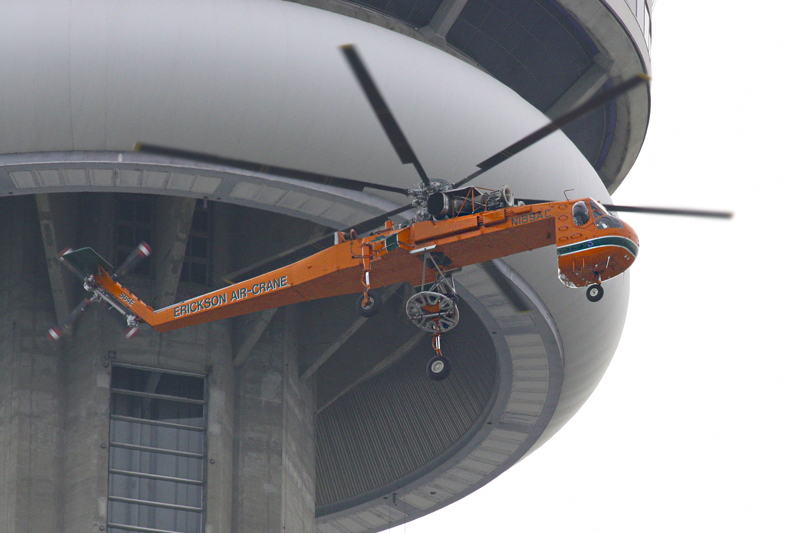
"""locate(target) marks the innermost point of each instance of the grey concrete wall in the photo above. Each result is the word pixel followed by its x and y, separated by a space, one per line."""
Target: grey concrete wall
pixel 274 448
pixel 30 397
pixel 55 398
pixel 298 441
pixel 85 383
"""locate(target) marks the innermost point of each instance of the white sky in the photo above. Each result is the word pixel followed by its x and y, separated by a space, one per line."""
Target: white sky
pixel 694 426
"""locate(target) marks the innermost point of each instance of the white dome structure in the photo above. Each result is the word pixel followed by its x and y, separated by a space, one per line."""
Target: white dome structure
pixel 307 418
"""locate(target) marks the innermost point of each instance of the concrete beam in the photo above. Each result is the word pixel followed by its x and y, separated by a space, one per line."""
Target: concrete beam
pixel 53 225
pixel 230 277
pixel 388 361
pixel 334 347
pixel 443 20
pixel 584 88
pixel 256 329
pixel 174 220
pixel 222 242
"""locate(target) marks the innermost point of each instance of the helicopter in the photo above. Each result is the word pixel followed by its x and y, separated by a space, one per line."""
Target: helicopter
pixel 454 225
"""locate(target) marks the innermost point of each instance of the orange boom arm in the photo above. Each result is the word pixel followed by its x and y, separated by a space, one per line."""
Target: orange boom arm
pixel 393 256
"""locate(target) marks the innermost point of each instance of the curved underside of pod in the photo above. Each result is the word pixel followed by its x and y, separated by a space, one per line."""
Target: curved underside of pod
pixel 266 82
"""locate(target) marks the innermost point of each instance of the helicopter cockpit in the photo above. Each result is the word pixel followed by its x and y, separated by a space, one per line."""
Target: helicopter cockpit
pixel 602 218
pixel 601 247
pixel 580 213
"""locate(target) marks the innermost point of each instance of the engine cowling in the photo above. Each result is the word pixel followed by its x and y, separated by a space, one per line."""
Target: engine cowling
pixel 467 201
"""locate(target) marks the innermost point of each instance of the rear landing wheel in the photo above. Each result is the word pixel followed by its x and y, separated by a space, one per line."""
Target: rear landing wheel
pixel 371 309
pixel 438 368
pixel 594 293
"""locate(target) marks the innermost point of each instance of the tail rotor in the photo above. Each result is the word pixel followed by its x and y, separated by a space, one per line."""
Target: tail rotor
pixel 84 263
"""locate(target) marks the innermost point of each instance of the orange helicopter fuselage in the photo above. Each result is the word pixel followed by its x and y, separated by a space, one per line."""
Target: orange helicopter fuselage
pixel 590 248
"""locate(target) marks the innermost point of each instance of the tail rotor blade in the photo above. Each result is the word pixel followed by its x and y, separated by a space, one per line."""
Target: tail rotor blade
pixel 139 254
pixel 66 328
pixel 119 318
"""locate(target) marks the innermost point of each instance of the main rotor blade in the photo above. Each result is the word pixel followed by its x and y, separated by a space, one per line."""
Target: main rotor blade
pixel 308 248
pixel 532 202
pixel 651 210
pixel 249 166
pixel 377 221
pixel 514 294
pixel 387 120
pixel 567 118
pixel 668 211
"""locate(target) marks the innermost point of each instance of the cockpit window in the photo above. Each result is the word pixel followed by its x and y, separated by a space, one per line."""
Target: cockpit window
pixel 580 213
pixel 607 221
pixel 602 218
pixel 597 210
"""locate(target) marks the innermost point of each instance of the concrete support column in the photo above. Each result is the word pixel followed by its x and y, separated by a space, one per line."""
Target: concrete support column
pixel 275 478
pixel 443 20
pixel 57 218
pixel 174 221
pixel 30 395
pixel 221 404
pixel 86 381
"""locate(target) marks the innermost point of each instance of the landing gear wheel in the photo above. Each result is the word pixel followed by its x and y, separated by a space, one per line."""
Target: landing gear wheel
pixel 438 368
pixel 594 293
pixel 372 308
pixel 432 312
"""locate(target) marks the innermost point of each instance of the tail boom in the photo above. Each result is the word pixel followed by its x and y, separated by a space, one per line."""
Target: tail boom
pixel 331 272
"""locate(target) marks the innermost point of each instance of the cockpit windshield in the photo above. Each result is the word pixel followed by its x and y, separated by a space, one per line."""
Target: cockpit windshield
pixel 603 219
pixel 608 221
pixel 597 210
pixel 580 213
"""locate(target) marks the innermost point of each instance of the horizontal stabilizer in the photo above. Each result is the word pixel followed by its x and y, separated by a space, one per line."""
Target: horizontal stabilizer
pixel 86 261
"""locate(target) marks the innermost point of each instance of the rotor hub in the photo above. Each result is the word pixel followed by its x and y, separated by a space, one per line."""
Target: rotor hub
pixel 420 195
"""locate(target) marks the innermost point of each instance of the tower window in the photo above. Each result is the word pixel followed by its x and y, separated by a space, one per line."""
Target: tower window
pixel 156 452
